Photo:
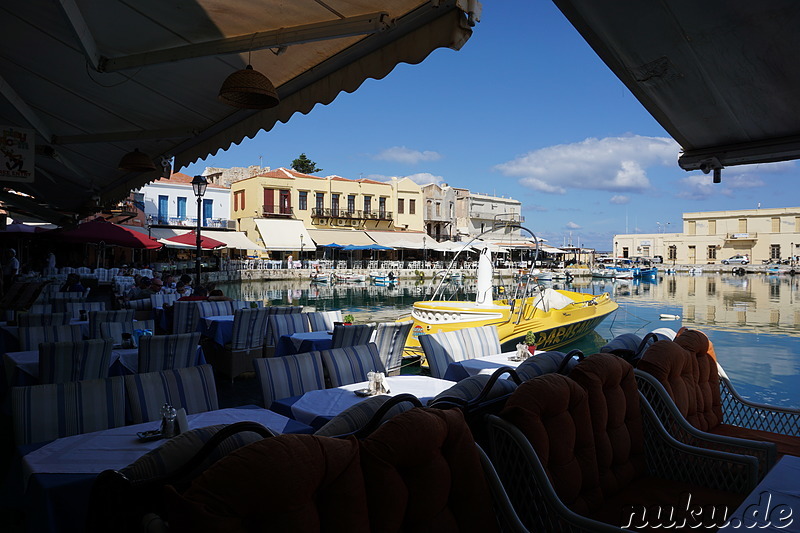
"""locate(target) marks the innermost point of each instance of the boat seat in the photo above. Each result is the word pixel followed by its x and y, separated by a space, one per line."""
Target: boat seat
pixel 552 299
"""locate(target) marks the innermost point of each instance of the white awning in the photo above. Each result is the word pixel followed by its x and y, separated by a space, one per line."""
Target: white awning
pixel 233 239
pixel 402 239
pixel 342 237
pixel 286 235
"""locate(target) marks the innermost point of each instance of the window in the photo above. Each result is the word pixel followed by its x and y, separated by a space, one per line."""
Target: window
pixel 382 207
pixel 320 201
pixel 438 209
pixel 302 202
pixel 367 204
pixel 163 209
pixel 452 209
pixel 351 203
pixel 335 204
pixel 645 251
pixel 624 251
pixel 208 211
pixel 401 206
pixel 712 227
pixel 774 251
pixel 238 200
pixel 776 224
pixel 672 253
pixel 286 202
pixel 181 208
pixel 742 225
pixel 712 252
pixel 691 227
pixel 412 207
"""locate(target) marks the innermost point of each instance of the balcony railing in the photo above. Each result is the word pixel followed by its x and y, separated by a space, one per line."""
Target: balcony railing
pixel 743 236
pixel 277 211
pixel 353 214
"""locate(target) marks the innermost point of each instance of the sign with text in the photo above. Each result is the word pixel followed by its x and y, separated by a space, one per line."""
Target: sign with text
pixel 17 148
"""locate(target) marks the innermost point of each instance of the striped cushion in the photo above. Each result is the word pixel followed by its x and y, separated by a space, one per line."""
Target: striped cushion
pixel 542 363
pixel 41 309
pixel 215 308
pixel 292 375
pixel 114 330
pixel 158 300
pixel 469 388
pixel 60 362
pixel 390 337
pixel 323 320
pixel 74 308
pixel 69 296
pixel 249 328
pixel 289 324
pixel 351 364
pixel 44 319
pixel 279 310
pixel 142 304
pixel 356 416
pixel 352 335
pixel 32 336
pixel 98 317
pixel 192 388
pixel 185 317
pixel 164 352
pixel 447 347
pixel 47 412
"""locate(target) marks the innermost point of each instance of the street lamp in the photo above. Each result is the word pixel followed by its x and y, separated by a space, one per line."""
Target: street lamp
pixel 199 184
pixel 424 253
pixel 301 250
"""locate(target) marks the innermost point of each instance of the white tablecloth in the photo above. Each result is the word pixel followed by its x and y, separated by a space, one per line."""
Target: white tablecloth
pixel 331 402
pixel 91 453
pixel 28 361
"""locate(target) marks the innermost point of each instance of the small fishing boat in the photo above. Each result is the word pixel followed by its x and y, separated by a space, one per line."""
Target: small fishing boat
pixel 695 270
pixel 320 277
pixel 349 276
pixel 603 272
pixel 558 317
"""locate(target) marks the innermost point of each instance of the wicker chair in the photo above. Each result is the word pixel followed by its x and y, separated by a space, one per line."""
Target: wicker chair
pixel 391 340
pixel 247 343
pixel 447 347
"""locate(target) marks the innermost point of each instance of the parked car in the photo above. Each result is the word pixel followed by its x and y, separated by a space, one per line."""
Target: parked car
pixel 737 260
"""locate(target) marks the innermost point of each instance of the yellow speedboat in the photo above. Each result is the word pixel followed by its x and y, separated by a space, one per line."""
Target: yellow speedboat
pixel 558 317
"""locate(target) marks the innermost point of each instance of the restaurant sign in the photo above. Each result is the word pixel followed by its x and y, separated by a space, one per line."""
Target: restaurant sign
pixel 17 149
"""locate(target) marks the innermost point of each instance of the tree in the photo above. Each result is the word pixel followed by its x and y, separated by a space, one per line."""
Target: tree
pixel 305 165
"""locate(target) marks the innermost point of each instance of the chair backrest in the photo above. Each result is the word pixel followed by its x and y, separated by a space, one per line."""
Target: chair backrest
pixel 185 316
pixel 279 310
pixel 60 362
pixel 215 308
pixel 359 417
pixel 354 335
pixel 291 375
pixel 323 320
pixel 544 363
pixel 44 319
pixel 98 317
pixel 288 324
pixel 159 299
pixel 47 412
pixel 351 364
pixel 114 330
pixel 74 308
pixel 249 328
pixel 689 375
pixel 73 296
pixel 30 337
pixel 246 304
pixel 192 388
pixel 165 352
pixel 41 309
pixel 447 347
pixel 390 337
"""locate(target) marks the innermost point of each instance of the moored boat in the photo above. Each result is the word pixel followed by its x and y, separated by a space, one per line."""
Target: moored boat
pixel 349 276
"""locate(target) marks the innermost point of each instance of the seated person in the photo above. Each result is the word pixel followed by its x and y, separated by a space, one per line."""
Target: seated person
pixel 137 292
pixel 73 284
pixel 218 296
pixel 199 294
pixel 154 288
pixel 182 289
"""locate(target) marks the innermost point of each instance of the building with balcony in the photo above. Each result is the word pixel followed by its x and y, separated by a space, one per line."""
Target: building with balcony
pixel 477 213
pixel 440 211
pixel 171 202
pixel 708 237
pixel 332 208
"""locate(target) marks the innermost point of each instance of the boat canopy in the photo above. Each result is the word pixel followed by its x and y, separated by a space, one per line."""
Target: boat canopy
pixel 279 234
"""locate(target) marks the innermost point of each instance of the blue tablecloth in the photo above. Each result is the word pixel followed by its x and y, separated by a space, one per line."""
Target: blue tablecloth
pixel 303 342
pixel 480 365
pixel 219 328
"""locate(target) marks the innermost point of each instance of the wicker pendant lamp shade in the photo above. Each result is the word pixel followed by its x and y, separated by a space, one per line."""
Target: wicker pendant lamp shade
pixel 136 161
pixel 248 89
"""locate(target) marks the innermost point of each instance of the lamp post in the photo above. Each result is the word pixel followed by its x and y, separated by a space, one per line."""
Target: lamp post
pixel 199 184
pixel 424 252
pixel 301 250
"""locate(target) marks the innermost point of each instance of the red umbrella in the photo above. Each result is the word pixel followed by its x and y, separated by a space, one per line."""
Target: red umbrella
pixel 100 230
pixel 191 238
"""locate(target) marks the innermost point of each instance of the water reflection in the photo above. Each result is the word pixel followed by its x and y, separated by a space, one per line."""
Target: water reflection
pixel 751 319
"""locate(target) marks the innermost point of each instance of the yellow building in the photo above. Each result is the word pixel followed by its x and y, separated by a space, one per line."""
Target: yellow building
pixel 287 210
pixel 708 237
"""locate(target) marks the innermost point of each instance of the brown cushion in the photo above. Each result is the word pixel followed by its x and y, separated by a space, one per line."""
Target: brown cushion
pixel 422 473
pixel 616 419
pixel 292 483
pixel 553 413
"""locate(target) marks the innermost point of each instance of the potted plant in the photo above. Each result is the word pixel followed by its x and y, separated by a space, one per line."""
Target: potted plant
pixel 530 340
pixel 348 320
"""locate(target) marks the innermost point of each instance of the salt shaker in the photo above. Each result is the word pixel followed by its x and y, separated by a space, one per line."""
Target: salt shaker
pixel 169 426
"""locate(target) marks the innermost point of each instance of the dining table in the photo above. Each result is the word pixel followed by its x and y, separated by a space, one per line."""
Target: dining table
pixel 317 407
pixel 459 370
pixel 304 342
pixel 219 328
pixel 57 477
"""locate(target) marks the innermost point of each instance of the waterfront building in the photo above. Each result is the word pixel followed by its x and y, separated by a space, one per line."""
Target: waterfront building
pixel 171 202
pixel 440 211
pixel 291 211
pixel 708 237
pixel 476 213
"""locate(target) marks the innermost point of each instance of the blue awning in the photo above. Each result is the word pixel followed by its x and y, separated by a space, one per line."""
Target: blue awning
pixel 352 247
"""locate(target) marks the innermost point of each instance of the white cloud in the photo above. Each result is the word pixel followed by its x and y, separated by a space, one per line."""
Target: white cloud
pixel 620 199
pixel 700 186
pixel 572 225
pixel 424 178
pixel 401 154
pixel 609 164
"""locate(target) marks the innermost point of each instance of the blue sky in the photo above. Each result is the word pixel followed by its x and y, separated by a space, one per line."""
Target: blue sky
pixel 525 109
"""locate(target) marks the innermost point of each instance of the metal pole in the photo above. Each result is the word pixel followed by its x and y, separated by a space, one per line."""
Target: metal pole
pixel 197 259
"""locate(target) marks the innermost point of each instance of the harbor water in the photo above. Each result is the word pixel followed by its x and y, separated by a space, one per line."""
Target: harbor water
pixel 752 320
